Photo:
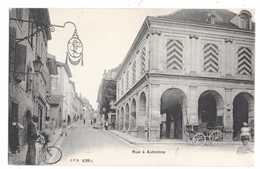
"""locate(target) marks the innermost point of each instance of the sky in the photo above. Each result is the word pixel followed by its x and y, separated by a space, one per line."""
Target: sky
pixel 106 33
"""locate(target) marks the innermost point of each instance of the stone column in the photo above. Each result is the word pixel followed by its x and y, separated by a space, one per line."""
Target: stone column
pixel 229 58
pixel 154 113
pixel 193 108
pixel 228 116
pixel 154 49
pixel 194 52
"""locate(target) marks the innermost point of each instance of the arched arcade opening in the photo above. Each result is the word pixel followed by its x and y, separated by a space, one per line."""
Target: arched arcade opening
pixel 210 109
pixel 243 111
pixel 173 105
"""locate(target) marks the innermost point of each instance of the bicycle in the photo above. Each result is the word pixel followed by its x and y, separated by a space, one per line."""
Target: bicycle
pixel 48 154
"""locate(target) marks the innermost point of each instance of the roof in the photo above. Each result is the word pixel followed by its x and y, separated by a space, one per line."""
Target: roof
pixel 66 68
pixel 51 60
pixel 56 99
pixel 223 16
pixel 108 75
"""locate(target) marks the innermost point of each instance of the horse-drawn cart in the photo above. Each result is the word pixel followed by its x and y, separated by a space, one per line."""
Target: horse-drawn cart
pixel 200 135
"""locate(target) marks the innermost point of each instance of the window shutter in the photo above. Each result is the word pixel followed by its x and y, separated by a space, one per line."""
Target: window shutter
pixel 12 41
pixel 20 62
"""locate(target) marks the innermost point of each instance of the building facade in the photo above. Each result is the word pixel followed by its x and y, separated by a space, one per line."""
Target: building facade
pixel 60 94
pixel 108 77
pixel 29 91
pixel 191 67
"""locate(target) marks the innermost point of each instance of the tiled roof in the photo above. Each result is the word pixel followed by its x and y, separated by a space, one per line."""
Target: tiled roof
pixel 201 16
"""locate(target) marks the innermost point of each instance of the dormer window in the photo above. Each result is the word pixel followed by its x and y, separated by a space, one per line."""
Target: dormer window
pixel 212 19
pixel 245 20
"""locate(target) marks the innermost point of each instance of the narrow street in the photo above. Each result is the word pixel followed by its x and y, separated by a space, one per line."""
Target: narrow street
pixel 101 147
pixel 87 146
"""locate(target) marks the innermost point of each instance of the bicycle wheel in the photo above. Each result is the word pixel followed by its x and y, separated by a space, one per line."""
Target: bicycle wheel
pixel 199 139
pixel 51 155
pixel 216 137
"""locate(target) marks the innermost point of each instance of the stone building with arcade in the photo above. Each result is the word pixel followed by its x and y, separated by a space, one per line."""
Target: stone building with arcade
pixel 193 66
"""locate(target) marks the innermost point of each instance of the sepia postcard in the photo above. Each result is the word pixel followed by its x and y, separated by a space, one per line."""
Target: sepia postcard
pixel 131 87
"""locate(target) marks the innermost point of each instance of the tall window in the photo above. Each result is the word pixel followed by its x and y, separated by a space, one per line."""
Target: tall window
pixel 127 80
pixel 134 72
pixel 143 61
pixel 122 85
pixel 210 57
pixel 31 26
pixel 244 56
pixel 174 54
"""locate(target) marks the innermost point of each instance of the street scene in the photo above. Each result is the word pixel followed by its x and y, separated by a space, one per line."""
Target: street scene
pixel 131 87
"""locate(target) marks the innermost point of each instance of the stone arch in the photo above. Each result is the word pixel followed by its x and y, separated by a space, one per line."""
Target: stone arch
pixel 117 119
pixel 210 108
pixel 121 125
pixel 133 115
pixel 173 111
pixel 127 116
pixel 243 111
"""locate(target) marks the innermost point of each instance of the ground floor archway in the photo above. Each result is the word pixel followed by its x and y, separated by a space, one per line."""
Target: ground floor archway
pixel 210 109
pixel 243 111
pixel 173 102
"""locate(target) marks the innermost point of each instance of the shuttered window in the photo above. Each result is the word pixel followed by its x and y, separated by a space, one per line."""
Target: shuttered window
pixel 143 61
pixel 244 56
pixel 211 57
pixel 12 44
pixel 134 72
pixel 20 62
pixel 174 54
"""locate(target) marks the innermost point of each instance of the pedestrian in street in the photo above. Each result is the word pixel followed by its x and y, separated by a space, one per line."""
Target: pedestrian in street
pixel 64 128
pixel 106 125
pixel 84 120
pixel 52 125
pixel 47 130
pixel 245 130
pixel 32 136
pixel 245 148
pixel 13 136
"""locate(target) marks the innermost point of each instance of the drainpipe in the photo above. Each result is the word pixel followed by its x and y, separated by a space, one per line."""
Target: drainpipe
pixel 149 88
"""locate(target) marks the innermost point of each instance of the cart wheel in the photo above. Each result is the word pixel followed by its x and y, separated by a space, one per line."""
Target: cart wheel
pixel 189 139
pixel 216 137
pixel 199 139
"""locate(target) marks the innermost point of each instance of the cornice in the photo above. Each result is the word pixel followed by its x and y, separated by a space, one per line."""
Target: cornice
pixel 195 77
pixel 202 25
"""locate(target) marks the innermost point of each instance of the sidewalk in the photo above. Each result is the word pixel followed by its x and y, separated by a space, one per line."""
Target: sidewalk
pixel 19 158
pixel 133 140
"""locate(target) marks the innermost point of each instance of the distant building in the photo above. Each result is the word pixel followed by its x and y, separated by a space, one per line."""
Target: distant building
pixel 108 76
pixel 60 94
pixel 193 66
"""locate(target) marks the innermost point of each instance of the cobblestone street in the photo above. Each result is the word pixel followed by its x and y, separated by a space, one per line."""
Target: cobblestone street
pixel 87 146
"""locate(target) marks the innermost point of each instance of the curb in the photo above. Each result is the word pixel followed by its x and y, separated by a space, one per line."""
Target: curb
pixel 136 143
pixel 121 137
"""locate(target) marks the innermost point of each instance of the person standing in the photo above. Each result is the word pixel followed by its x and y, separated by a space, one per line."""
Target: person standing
pixel 32 136
pixel 47 130
pixel 64 128
pixel 52 125
pixel 14 139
